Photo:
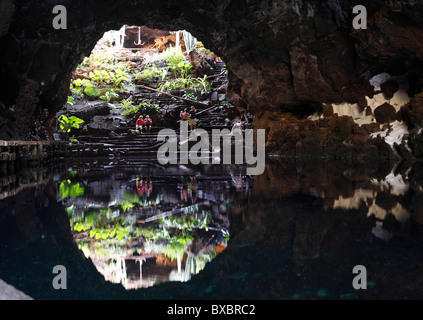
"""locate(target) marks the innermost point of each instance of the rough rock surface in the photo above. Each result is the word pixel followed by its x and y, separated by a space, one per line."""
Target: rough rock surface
pixel 280 54
pixel 8 292
pixel 385 113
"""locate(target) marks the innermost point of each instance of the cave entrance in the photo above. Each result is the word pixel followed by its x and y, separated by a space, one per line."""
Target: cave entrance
pixel 137 71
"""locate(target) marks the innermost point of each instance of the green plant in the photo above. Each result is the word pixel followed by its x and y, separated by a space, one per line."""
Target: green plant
pixel 73 139
pixel 127 103
pixel 77 89
pixel 91 91
pixel 144 107
pixel 118 78
pixel 70 101
pixel 185 83
pixel 100 76
pixel 67 124
pixel 225 103
pixel 109 95
pixel 182 69
pixel 130 111
pixel 189 96
pixel 80 82
pixel 148 74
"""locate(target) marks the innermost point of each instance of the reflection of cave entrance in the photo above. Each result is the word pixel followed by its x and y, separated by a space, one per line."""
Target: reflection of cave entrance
pixel 141 238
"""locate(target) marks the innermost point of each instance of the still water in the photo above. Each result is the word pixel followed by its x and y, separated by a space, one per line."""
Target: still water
pixel 137 230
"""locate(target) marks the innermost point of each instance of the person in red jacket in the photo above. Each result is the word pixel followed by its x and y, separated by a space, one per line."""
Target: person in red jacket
pixel 148 122
pixel 139 124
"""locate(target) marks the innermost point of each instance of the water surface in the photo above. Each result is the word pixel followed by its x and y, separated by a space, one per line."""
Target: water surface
pixel 138 230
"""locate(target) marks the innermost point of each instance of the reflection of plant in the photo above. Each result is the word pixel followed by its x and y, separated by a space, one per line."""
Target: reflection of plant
pixel 69 190
pixel 117 231
pixel 189 222
pixel 126 206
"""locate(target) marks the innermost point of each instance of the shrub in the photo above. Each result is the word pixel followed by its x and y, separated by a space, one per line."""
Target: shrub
pixel 67 124
pixel 144 107
pixel 185 83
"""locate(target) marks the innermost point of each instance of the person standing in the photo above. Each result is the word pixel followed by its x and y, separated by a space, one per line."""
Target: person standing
pixel 193 118
pixel 237 127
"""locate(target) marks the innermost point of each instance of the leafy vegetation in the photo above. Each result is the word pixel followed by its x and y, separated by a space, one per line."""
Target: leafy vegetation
pixel 108 74
pixel 67 124
pixel 142 108
pixel 70 101
pixel 186 83
pixel 177 66
pixel 189 96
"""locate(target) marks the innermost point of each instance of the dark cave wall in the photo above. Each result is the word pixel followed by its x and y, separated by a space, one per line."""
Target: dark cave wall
pixel 280 53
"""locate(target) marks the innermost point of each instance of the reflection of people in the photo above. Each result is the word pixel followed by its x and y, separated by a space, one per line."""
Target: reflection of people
pixel 192 188
pixel 184 191
pixel 144 187
pixel 140 187
pixel 148 188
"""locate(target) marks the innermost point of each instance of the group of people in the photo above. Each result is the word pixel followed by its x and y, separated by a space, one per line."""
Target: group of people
pixel 142 123
pixel 190 116
pixel 145 122
pixel 242 122
pixel 188 189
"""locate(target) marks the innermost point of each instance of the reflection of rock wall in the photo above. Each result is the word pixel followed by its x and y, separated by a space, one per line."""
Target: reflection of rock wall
pixel 307 207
